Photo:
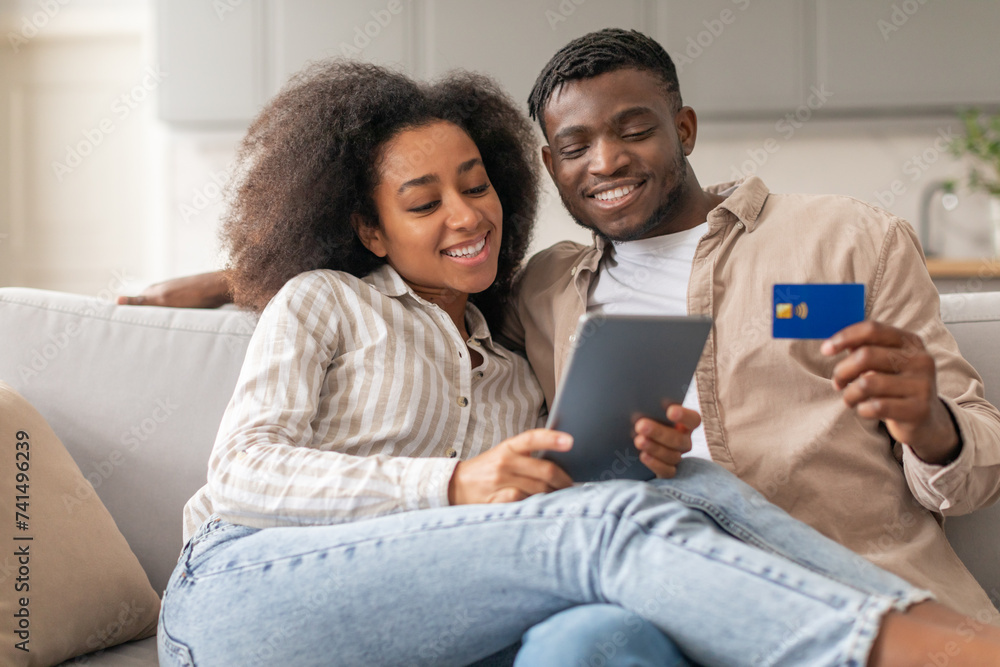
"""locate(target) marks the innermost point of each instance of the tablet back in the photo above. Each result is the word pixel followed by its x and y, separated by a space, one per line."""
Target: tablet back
pixel 623 367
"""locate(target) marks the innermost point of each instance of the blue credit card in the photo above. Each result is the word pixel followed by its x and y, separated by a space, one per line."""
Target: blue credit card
pixel 816 311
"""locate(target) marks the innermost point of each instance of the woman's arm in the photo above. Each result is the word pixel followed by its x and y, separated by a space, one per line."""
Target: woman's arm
pixel 265 469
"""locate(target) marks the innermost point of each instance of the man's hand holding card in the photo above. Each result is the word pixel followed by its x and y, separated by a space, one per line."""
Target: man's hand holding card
pixel 887 373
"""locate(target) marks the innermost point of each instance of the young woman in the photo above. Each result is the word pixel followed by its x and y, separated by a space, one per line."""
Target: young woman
pixel 389 218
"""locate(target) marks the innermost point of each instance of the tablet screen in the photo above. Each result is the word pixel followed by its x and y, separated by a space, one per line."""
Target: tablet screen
pixel 623 367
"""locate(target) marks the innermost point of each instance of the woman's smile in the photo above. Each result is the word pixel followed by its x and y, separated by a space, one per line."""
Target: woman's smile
pixel 470 253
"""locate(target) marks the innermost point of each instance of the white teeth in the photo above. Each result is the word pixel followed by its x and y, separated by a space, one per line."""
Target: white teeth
pixel 469 251
pixel 617 193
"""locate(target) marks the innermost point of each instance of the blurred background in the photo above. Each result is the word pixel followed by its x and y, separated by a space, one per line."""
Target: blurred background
pixel 119 118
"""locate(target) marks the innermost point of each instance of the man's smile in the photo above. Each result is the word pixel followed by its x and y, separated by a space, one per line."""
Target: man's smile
pixel 616 195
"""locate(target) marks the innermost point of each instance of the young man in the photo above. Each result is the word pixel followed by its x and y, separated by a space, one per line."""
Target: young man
pixel 871 436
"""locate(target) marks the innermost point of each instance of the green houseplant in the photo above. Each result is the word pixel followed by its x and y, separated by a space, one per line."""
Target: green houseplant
pixel 981 143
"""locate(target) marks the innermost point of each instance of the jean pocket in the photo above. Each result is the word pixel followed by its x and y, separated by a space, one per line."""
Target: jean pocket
pixel 171 651
pixel 213 534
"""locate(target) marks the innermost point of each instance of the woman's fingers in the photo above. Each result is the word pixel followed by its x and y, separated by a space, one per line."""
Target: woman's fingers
pixel 539 439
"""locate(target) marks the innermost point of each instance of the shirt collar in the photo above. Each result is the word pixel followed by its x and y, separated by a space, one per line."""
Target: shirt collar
pixel 387 280
pixel 743 204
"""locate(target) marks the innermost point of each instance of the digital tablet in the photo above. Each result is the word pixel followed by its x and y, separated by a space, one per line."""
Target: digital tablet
pixel 622 368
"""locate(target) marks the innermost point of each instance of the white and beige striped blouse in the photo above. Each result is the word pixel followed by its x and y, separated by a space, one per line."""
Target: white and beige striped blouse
pixel 357 398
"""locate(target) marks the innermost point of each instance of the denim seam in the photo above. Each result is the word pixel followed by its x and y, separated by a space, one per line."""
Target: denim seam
pixel 861 639
pixel 409 531
pixel 743 533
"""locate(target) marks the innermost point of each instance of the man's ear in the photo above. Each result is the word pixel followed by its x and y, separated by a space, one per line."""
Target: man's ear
pixel 371 237
pixel 547 161
pixel 686 122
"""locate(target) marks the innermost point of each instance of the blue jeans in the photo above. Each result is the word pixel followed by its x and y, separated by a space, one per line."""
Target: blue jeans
pixel 591 635
pixel 730 578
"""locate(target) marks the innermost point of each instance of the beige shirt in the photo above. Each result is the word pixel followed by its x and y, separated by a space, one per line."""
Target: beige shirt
pixel 769 410
pixel 357 398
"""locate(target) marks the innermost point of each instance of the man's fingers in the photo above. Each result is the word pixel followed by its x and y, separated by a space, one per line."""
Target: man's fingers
pixel 903 410
pixel 539 439
pixel 672 437
pixel 868 333
pixel 678 414
pixel 660 469
pixel 659 451
pixel 881 385
pixel 131 300
pixel 881 360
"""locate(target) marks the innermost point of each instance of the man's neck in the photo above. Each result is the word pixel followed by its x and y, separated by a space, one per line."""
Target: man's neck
pixel 693 210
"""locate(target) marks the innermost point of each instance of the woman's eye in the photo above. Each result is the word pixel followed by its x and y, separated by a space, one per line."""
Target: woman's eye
pixel 478 190
pixel 425 208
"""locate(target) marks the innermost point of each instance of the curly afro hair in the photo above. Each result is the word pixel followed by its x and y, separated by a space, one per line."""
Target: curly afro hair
pixel 311 159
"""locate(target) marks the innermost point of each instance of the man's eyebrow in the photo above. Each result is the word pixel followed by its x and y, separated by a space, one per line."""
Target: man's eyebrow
pixel 630 113
pixel 566 131
pixel 619 118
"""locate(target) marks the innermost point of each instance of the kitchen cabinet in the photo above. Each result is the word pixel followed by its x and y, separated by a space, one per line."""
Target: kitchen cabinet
pixel 212 54
pixel 908 54
pixel 736 59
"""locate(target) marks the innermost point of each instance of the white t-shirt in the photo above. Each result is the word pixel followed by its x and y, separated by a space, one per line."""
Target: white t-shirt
pixel 650 277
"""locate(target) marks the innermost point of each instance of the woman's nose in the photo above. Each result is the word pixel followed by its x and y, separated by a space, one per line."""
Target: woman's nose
pixel 462 215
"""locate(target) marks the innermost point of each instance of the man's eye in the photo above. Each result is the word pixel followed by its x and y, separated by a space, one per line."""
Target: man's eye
pixel 425 208
pixel 638 135
pixel 572 151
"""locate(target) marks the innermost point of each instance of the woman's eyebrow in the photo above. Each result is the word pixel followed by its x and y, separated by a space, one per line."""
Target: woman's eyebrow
pixel 427 179
pixel 468 165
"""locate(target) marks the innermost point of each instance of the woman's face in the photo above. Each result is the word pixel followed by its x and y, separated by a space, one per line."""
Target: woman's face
pixel 440 217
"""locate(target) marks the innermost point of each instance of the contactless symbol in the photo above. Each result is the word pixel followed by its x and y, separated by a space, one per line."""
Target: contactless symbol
pixel 802 310
pixel 783 311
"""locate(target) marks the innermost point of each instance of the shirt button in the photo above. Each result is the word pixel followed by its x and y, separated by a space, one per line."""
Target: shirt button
pixel 451 453
pixel 462 401
pixel 474 342
pixel 739 225
pixel 572 271
pixel 572 337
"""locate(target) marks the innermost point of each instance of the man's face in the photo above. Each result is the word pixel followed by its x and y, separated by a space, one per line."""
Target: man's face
pixel 617 153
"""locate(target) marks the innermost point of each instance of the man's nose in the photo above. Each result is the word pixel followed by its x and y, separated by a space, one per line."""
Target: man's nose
pixel 608 156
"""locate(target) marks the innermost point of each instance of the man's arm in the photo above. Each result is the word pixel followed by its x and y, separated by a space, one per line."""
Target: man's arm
pixel 904 368
pixel 205 290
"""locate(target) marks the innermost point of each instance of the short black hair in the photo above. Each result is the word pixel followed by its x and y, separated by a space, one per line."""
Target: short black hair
pixel 597 53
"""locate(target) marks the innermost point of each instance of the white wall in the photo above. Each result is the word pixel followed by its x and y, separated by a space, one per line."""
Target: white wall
pixel 150 204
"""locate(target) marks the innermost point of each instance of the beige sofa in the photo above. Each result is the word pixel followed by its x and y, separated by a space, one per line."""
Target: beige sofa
pixel 136 395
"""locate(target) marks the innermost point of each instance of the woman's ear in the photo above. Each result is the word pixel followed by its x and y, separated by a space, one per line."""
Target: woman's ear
pixel 371 237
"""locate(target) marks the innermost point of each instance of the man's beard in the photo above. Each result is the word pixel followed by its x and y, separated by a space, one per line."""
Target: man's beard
pixel 667 209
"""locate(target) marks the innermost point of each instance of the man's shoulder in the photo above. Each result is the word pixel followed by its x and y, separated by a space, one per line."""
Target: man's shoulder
pixel 826 213
pixel 556 260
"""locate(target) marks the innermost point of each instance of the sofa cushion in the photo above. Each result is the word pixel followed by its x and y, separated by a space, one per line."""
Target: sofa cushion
pixel 73 583
pixel 135 393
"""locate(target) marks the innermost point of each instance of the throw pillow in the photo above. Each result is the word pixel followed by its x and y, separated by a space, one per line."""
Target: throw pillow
pixel 69 583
